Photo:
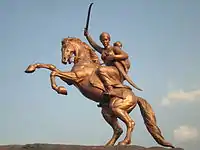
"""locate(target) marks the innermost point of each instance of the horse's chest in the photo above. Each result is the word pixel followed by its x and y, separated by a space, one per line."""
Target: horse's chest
pixel 82 71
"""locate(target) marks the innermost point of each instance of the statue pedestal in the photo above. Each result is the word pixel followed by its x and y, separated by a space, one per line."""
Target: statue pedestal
pixel 78 147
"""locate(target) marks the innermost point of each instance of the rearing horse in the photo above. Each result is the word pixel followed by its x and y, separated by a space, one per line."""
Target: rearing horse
pixel 83 76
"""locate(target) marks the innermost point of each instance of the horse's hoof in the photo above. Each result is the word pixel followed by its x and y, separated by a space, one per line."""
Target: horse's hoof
pixel 121 143
pixel 30 69
pixel 124 143
pixel 62 90
pixel 109 144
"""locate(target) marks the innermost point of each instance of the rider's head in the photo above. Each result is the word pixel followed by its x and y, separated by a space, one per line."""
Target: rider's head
pixel 105 39
pixel 118 43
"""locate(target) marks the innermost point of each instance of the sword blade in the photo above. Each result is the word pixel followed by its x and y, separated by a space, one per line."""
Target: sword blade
pixel 88 17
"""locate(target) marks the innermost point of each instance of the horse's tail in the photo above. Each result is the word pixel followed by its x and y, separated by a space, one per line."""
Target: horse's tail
pixel 150 122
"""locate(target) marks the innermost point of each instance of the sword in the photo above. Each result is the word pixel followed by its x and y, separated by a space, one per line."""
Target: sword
pixel 88 17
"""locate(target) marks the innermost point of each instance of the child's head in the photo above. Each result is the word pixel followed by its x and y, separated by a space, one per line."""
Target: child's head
pixel 118 43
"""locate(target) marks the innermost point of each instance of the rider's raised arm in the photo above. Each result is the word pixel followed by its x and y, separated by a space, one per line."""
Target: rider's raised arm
pixel 93 43
pixel 119 53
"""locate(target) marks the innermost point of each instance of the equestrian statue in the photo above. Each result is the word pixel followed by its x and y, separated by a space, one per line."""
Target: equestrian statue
pixel 103 83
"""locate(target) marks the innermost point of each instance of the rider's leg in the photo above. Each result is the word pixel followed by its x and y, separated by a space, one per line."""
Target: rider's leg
pixel 110 76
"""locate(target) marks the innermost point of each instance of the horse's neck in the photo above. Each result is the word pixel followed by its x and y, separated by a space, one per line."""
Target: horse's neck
pixel 82 55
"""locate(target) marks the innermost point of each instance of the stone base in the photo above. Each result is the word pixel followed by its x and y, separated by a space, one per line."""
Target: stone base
pixel 79 147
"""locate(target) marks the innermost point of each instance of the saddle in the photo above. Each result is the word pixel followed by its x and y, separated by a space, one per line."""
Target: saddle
pixel 95 81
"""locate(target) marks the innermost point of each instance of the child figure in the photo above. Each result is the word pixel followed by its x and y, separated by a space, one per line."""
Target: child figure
pixel 125 63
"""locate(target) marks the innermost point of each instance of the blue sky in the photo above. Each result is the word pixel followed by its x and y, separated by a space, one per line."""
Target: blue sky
pixel 161 37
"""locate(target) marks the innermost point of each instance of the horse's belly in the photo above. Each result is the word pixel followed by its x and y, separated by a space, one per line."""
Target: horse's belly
pixel 90 92
pixel 84 73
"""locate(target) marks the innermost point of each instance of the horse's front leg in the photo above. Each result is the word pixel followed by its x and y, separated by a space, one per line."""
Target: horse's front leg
pixel 65 76
pixel 31 68
pixel 68 77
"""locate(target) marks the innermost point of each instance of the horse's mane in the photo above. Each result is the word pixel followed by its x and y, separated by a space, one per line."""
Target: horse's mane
pixel 92 53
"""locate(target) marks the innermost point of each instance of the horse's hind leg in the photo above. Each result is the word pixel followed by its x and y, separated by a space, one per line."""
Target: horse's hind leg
pixel 111 119
pixel 121 108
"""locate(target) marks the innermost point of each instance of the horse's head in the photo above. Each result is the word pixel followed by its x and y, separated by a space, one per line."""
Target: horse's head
pixel 67 50
pixel 80 50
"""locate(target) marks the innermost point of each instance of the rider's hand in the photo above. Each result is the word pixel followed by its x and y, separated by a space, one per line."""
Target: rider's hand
pixel 85 32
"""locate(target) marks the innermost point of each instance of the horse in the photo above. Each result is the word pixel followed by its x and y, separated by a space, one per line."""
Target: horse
pixel 84 77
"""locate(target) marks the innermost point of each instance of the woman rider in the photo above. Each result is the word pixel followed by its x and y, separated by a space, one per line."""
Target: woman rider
pixel 108 74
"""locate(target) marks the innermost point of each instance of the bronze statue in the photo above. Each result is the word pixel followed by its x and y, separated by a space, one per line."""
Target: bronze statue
pixel 84 75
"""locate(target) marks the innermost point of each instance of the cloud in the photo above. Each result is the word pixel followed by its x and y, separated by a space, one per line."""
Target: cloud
pixel 185 133
pixel 181 95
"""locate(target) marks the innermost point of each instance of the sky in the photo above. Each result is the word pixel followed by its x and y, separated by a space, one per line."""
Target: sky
pixel 161 38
